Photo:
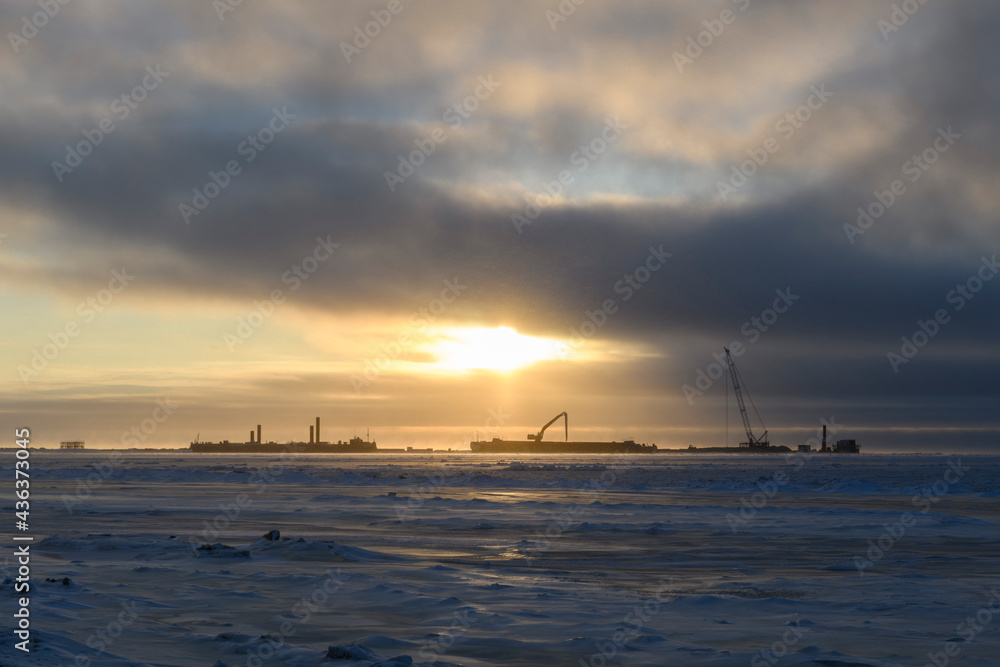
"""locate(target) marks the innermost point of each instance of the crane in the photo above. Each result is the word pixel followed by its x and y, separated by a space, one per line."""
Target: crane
pixel 537 437
pixel 735 375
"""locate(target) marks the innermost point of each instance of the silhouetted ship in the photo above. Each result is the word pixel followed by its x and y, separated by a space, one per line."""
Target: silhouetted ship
pixel 314 446
pixel 534 444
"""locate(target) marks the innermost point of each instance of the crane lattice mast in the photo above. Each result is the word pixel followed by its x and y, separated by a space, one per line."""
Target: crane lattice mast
pixel 734 374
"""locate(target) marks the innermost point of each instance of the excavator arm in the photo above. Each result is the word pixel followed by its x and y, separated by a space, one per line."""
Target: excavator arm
pixel 537 437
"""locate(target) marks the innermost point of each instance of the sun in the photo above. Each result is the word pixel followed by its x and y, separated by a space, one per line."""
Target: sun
pixel 500 349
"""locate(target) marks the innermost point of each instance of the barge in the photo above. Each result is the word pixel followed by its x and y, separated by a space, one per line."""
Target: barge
pixel 315 445
pixel 534 445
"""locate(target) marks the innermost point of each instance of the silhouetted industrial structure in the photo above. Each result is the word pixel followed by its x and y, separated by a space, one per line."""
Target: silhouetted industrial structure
pixel 315 445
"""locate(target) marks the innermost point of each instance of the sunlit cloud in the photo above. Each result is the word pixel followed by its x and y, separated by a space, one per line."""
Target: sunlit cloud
pixel 196 324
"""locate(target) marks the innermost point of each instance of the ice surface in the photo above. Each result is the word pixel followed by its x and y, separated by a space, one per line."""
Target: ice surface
pixel 460 559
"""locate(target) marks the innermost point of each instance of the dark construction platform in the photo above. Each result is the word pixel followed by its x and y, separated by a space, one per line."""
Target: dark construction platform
pixel 353 446
pixel 498 446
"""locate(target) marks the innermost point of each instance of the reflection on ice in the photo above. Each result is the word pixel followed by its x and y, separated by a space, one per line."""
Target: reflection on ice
pixel 471 561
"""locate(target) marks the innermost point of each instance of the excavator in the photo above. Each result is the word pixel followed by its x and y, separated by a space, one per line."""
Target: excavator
pixel 537 437
pixel 533 444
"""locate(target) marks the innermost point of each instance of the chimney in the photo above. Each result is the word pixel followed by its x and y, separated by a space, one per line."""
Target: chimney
pixel 251 435
pixel 310 434
pixel 318 440
pixel 824 437
pixel 258 433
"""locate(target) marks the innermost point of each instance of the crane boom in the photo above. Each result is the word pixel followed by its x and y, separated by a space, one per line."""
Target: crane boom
pixel 537 437
pixel 735 376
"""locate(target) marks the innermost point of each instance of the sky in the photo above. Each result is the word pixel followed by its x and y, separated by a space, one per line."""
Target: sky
pixel 443 220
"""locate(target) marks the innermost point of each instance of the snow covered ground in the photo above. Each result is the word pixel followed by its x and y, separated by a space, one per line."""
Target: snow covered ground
pixel 459 559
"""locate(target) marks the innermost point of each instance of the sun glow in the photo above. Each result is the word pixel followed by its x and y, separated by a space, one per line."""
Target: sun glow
pixel 500 349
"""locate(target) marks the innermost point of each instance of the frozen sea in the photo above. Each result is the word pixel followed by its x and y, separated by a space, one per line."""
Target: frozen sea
pixel 446 558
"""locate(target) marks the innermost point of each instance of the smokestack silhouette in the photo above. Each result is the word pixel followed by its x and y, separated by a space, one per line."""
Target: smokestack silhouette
pixel 258 433
pixel 251 435
pixel 310 434
pixel 317 431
